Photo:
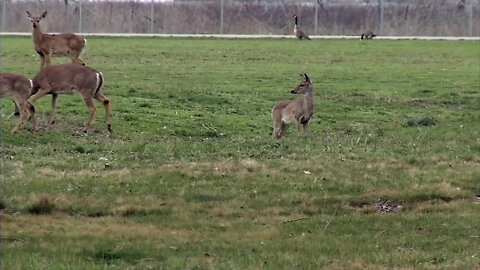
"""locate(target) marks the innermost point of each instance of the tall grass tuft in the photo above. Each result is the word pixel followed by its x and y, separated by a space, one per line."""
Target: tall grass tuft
pixel 41 205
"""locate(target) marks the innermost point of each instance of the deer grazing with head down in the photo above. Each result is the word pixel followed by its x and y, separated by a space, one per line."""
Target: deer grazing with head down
pixel 19 87
pixel 298 111
pixel 367 35
pixel 73 78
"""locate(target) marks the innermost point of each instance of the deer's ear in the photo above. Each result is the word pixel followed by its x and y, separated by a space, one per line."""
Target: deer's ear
pixel 28 13
pixel 307 79
pixel 44 14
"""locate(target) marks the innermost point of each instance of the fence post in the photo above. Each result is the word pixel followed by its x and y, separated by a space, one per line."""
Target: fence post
pixel 4 19
pixel 381 17
pixel 470 18
pixel 151 18
pixel 80 19
pixel 316 17
pixel 221 16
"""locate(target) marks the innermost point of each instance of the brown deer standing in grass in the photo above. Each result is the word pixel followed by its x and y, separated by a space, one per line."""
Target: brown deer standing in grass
pixel 19 87
pixel 47 45
pixel 299 111
pixel 367 35
pixel 71 78
pixel 296 30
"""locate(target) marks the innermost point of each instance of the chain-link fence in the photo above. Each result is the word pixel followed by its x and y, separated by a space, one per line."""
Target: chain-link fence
pixel 316 17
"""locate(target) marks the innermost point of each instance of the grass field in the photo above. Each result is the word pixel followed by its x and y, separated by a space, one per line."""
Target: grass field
pixel 387 177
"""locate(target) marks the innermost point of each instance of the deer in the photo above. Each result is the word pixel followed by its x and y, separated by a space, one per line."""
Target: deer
pixel 47 45
pixel 296 30
pixel 19 87
pixel 73 78
pixel 367 35
pixel 299 111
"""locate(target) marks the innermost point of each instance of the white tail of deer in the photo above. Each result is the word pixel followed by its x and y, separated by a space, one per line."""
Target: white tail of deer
pixel 71 78
pixel 47 45
pixel 19 87
pixel 298 111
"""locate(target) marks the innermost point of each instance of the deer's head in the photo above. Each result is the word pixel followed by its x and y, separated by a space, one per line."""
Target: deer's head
pixel 36 20
pixel 305 85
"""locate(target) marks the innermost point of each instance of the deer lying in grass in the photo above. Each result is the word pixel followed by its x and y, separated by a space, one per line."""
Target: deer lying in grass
pixel 296 30
pixel 47 45
pixel 19 87
pixel 71 78
pixel 299 111
pixel 368 35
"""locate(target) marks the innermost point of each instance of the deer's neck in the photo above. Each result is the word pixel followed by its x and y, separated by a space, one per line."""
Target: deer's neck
pixel 308 103
pixel 37 35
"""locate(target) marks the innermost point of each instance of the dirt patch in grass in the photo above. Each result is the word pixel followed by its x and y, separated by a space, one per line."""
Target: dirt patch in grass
pixel 50 173
pixel 389 201
pixel 395 165
pixel 241 168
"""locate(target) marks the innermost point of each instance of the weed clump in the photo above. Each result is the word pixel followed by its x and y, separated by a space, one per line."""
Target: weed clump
pixel 426 121
pixel 42 205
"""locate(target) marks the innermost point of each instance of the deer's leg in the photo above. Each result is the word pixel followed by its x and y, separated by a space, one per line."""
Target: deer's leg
pixel 42 62
pixel 44 90
pixel 51 118
pixel 305 127
pixel 42 58
pixel 305 123
pixel 276 132
pixel 106 103
pixel 17 110
pixel 278 129
pixel 91 112
pixel 22 105
pixel 278 124
pixel 48 58
pixel 75 57
pixel 31 110
pixel 299 127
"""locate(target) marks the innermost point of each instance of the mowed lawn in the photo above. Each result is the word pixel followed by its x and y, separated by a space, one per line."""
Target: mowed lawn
pixel 387 178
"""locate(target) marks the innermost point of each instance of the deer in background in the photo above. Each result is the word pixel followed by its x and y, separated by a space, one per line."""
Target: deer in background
pixel 296 30
pixel 367 35
pixel 73 78
pixel 19 87
pixel 47 45
pixel 298 111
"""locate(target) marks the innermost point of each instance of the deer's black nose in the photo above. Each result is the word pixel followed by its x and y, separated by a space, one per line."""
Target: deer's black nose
pixel 293 92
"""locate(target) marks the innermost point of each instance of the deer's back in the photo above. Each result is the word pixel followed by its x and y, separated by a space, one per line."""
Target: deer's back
pixel 10 83
pixel 65 42
pixel 63 77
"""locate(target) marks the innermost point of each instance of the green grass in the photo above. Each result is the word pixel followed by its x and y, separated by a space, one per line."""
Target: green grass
pixel 190 178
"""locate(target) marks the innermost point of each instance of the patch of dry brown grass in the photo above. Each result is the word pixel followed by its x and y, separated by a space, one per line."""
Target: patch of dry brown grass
pixel 241 168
